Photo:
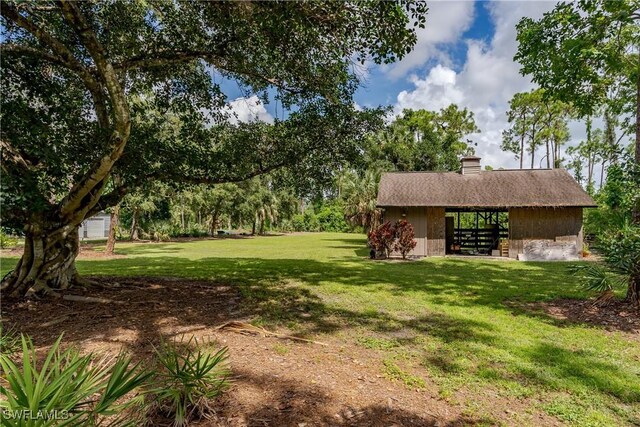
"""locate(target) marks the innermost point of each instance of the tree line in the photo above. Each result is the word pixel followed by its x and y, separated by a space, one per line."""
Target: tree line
pixel 539 123
pixel 343 200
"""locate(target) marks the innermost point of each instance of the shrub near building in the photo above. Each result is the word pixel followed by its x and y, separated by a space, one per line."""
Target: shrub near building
pixel 398 237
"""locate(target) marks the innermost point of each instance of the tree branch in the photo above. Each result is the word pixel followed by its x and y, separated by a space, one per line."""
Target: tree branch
pixel 61 52
pixel 93 181
pixel 61 56
pixel 168 57
pixel 10 154
pixel 115 196
pixel 108 200
pixel 20 50
pixel 220 179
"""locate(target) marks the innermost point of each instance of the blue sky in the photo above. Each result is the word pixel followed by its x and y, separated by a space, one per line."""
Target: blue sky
pixel 463 56
pixel 381 89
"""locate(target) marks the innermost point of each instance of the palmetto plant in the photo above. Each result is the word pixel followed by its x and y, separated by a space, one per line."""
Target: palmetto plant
pixel 597 278
pixel 9 341
pixel 621 268
pixel 68 389
pixel 189 377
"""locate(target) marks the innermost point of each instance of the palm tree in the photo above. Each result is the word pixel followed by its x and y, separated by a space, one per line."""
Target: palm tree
pixel 359 193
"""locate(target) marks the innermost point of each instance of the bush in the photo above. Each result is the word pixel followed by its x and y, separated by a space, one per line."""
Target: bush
pixel 76 387
pixel 311 222
pixel 286 225
pixel 405 238
pixel 389 237
pixel 331 219
pixel 196 230
pixel 621 253
pixel 297 222
pixel 7 241
pixel 381 239
pixel 306 222
pixel 189 377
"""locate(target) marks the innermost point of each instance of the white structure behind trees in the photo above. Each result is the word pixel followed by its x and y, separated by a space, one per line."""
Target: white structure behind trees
pixel 96 227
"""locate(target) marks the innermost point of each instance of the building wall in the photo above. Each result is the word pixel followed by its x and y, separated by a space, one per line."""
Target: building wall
pixel 96 227
pixel 540 232
pixel 436 230
pixel 547 230
pixel 428 226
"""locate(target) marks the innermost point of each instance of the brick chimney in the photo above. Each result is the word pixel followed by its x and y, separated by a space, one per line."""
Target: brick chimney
pixel 470 165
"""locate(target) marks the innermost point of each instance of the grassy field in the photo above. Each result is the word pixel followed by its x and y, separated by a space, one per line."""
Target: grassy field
pixel 458 325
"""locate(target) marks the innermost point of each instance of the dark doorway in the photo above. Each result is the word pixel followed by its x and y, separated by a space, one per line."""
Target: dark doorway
pixel 475 231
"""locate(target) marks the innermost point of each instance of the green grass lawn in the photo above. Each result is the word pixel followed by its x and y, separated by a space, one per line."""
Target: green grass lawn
pixel 450 323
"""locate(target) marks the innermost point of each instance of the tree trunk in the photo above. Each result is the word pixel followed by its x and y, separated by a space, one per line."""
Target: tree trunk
pixel 533 147
pixel 636 208
pixel 213 227
pixel 182 222
pixel 133 235
pixel 633 291
pixel 533 156
pixel 521 151
pixel 113 225
pixel 48 262
pixel 548 156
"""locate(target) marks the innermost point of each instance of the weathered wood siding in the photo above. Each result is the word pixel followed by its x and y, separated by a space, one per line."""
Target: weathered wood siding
pixel 428 226
pixel 436 231
pixel 547 224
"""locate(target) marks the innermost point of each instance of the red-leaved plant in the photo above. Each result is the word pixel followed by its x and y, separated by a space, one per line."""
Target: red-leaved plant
pixel 382 239
pixel 389 237
pixel 404 238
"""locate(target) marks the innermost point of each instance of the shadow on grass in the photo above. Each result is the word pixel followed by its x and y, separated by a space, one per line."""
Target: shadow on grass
pixel 283 291
pixel 357 244
pixel 147 248
pixel 294 403
pixel 451 281
pixel 583 368
pixel 147 310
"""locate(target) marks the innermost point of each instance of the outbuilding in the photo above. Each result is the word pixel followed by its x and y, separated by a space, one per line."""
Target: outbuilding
pixel 96 227
pixel 529 214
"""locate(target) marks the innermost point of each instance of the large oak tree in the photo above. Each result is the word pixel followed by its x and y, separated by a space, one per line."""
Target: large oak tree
pixel 93 90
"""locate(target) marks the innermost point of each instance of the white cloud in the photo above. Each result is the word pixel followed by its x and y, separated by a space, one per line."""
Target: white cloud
pixel 486 83
pixel 248 110
pixel 446 22
pixel 436 91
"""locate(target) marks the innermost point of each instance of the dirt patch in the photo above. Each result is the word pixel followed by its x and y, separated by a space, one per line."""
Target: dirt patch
pixel 90 252
pixel 277 382
pixel 87 251
pixel 616 315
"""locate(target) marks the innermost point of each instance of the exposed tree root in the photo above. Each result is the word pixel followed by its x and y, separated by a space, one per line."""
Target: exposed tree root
pixel 80 298
pixel 47 265
pixel 249 329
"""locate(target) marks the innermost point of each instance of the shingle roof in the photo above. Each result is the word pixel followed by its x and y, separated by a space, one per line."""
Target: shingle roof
pixel 490 189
